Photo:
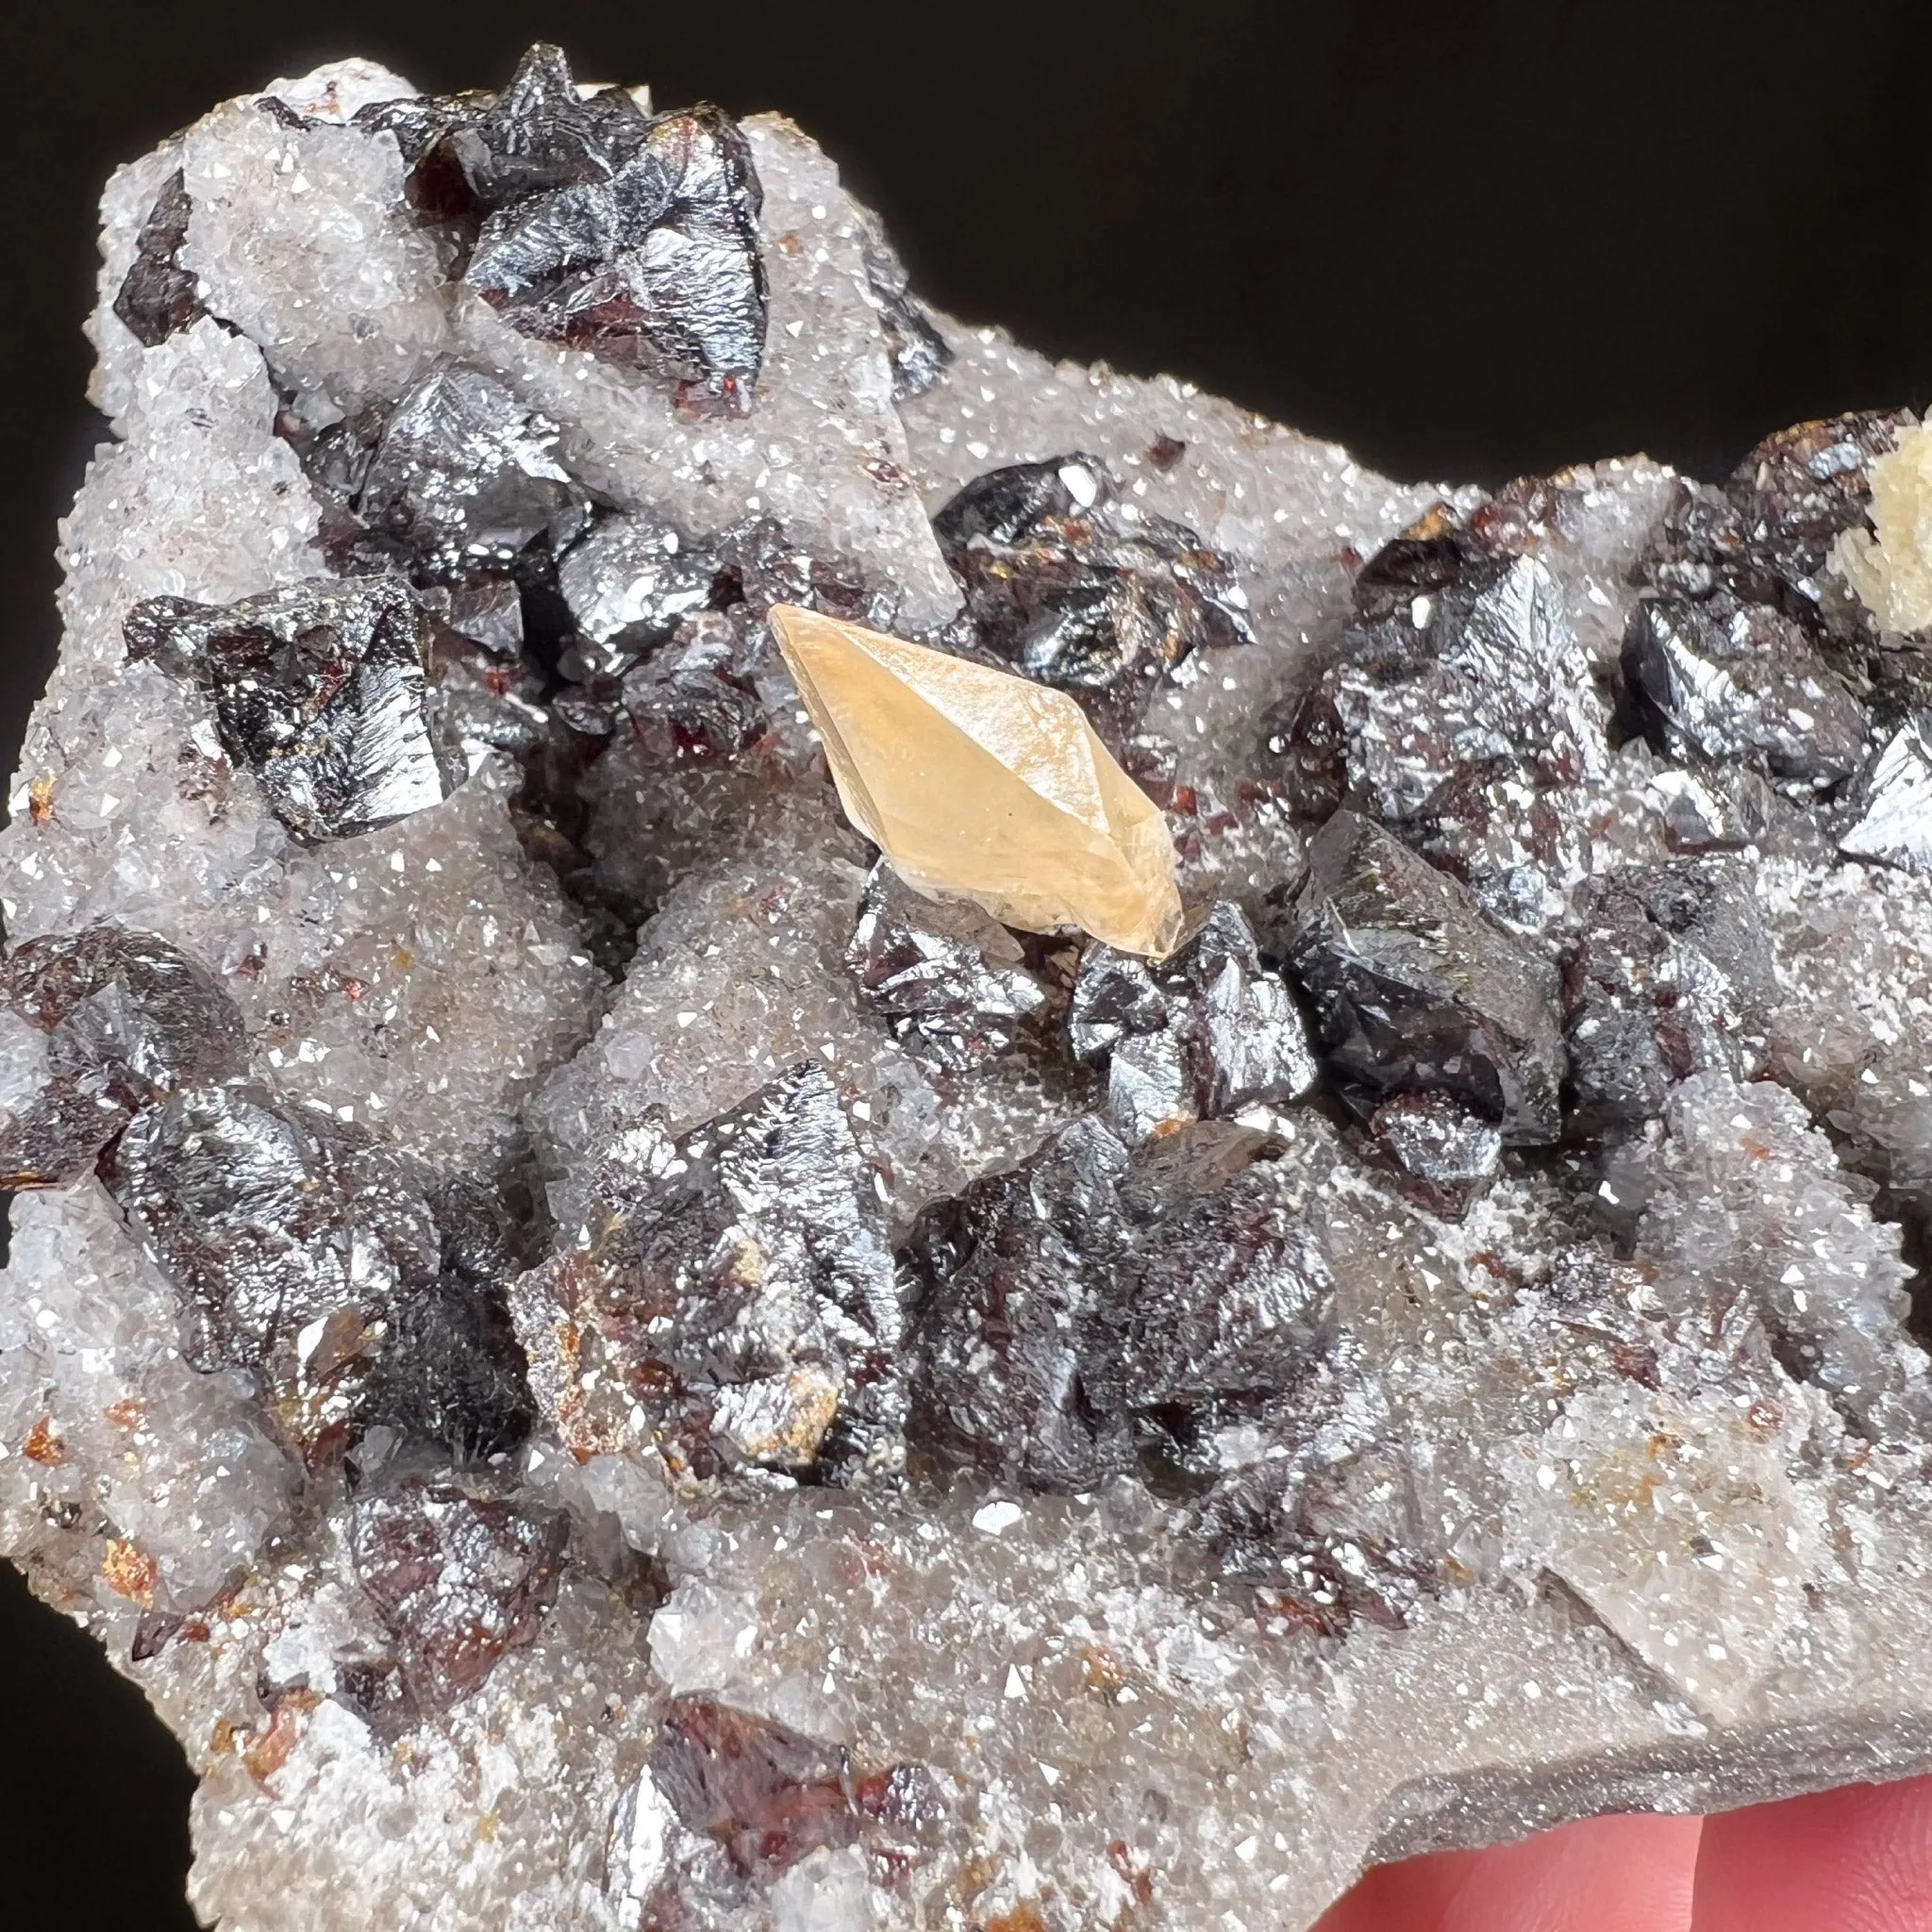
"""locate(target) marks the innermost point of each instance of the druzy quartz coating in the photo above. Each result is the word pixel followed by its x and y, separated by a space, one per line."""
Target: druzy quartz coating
pixel 819 1131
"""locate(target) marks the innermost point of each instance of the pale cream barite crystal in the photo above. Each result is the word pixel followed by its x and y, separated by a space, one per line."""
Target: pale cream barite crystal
pixel 979 785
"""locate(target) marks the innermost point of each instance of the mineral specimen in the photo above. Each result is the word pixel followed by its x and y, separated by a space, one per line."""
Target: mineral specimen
pixel 635 238
pixel 158 295
pixel 456 1574
pixel 463 479
pixel 321 690
pixel 1081 592
pixel 1206 1032
pixel 1893 804
pixel 630 1315
pixel 129 1018
pixel 1415 990
pixel 1720 680
pixel 980 785
pixel 956 985
pixel 1668 974
pixel 729 1302
pixel 1063 1300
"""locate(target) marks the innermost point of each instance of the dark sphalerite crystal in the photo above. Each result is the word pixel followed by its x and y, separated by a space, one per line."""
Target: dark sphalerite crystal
pixel 291 1240
pixel 126 1007
pixel 1082 592
pixel 57 1136
pixel 1718 808
pixel 460 1574
pixel 1891 807
pixel 954 985
pixel 1800 488
pixel 1444 1153
pixel 1668 974
pixel 463 480
pixel 768 1793
pixel 692 699
pixel 1205 1032
pixel 451 1369
pixel 749 1798
pixel 322 689
pixel 734 1303
pixel 1066 1299
pixel 129 1018
pixel 471 153
pixel 1230 1291
pixel 540 134
pixel 1765 536
pixel 1457 708
pixel 301 1249
pixel 485 611
pixel 489 692
pixel 1019 1276
pixel 1004 508
pixel 659 265
pixel 1723 681
pixel 764 565
pixel 628 585
pixel 157 296
pixel 919 352
pixel 1416 989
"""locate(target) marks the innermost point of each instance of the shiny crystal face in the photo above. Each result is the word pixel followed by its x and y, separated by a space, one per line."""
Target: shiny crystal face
pixel 819 1130
pixel 979 785
pixel 321 690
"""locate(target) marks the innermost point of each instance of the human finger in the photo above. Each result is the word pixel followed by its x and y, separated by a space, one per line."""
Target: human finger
pixel 1857 1859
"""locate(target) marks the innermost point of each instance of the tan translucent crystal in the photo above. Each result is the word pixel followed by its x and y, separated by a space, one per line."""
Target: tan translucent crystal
pixel 979 785
pixel 1893 576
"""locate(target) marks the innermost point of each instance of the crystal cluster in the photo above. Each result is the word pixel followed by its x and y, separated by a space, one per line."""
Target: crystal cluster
pixel 814 1129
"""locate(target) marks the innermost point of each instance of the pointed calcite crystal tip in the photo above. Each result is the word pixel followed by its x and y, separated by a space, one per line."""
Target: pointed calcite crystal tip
pixel 979 785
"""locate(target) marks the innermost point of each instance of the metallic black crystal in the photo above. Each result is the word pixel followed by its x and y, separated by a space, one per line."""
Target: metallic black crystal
pixel 735 1300
pixel 956 986
pixel 1416 989
pixel 1079 591
pixel 1721 681
pixel 659 265
pixel 1063 1302
pixel 1203 1033
pixel 158 297
pixel 292 1239
pixel 1668 974
pixel 459 1573
pixel 129 1018
pixel 322 689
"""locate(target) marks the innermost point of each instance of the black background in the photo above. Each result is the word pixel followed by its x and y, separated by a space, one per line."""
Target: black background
pixel 1471 240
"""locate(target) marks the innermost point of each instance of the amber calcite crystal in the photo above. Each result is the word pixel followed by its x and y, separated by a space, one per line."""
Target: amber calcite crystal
pixel 979 785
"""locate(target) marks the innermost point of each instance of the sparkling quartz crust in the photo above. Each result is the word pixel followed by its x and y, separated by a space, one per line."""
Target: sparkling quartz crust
pixel 608 1365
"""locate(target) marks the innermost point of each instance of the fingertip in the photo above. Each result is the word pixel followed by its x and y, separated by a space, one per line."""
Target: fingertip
pixel 1856 1860
pixel 1617 1873
pixel 1408 1897
pixel 1600 1875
